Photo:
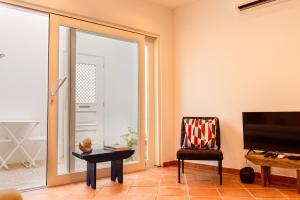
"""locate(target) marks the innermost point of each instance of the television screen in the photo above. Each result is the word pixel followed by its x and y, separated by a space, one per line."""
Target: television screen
pixel 272 131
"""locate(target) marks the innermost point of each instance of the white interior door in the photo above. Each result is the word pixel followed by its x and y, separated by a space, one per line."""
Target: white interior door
pixel 90 106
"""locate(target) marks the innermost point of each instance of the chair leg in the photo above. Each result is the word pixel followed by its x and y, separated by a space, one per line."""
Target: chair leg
pixel 183 166
pixel 178 170
pixel 220 171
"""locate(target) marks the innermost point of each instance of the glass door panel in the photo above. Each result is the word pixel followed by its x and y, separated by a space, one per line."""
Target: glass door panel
pixel 24 97
pixel 100 72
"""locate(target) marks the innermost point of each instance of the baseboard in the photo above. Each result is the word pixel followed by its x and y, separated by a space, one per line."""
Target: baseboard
pixel 275 178
pixel 169 163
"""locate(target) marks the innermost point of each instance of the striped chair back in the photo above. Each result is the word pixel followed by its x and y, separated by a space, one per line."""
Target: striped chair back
pixel 186 120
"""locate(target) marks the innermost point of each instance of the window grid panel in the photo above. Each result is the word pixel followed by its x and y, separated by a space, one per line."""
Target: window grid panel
pixel 85 83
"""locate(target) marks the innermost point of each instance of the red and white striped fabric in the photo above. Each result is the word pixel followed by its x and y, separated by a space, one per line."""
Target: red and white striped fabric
pixel 200 133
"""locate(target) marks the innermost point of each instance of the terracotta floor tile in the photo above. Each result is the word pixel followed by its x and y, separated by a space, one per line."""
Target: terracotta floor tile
pixel 201 184
pixel 172 198
pixel 239 198
pixel 266 193
pixel 103 182
pixel 43 195
pixel 140 197
pixel 204 198
pixel 112 183
pixel 143 190
pixel 145 182
pixel 173 178
pixel 115 197
pixel 273 198
pixel 150 174
pixel 254 185
pixel 200 178
pixel 291 193
pixel 228 177
pixel 65 189
pixel 78 196
pixel 172 182
pixel 172 191
pixel 161 184
pixel 203 192
pixel 230 185
pixel 113 191
pixel 233 192
pixel 131 176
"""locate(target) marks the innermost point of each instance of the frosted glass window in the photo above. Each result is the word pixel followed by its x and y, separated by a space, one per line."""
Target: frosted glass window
pixel 85 83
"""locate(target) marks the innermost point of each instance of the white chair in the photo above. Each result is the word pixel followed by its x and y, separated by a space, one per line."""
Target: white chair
pixel 4 141
pixel 41 142
pixel 18 142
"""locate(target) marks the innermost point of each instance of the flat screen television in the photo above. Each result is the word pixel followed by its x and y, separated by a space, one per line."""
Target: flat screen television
pixel 272 131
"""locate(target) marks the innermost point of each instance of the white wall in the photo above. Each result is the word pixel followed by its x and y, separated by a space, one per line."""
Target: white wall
pixel 228 62
pixel 23 71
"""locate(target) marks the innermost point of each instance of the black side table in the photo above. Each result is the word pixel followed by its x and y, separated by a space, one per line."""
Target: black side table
pixel 103 155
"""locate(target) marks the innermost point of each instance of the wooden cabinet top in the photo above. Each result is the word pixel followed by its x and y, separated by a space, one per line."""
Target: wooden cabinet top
pixel 259 159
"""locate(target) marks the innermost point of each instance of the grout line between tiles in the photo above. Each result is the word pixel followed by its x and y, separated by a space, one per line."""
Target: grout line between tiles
pixel 285 196
pixel 187 187
pixel 220 194
pixel 249 192
pixel 158 187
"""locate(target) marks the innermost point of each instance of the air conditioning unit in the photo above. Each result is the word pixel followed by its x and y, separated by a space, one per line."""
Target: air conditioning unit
pixel 252 4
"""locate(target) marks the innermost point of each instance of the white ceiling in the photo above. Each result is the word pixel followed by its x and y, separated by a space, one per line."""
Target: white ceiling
pixel 172 4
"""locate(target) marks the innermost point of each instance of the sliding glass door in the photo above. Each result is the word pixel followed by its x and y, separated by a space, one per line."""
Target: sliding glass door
pixel 24 97
pixel 97 84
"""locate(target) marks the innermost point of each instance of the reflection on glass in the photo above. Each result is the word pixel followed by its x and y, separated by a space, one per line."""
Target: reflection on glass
pixel 100 98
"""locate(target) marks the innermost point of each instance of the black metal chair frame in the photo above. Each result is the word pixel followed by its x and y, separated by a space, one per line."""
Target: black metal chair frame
pixel 218 143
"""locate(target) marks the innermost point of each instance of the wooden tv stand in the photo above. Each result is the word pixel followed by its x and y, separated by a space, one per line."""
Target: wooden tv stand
pixel 267 163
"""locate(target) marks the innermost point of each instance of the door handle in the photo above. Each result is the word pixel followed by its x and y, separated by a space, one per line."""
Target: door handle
pixel 84 106
pixel 53 93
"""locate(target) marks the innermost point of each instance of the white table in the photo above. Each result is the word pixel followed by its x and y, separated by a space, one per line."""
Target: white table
pixel 6 125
